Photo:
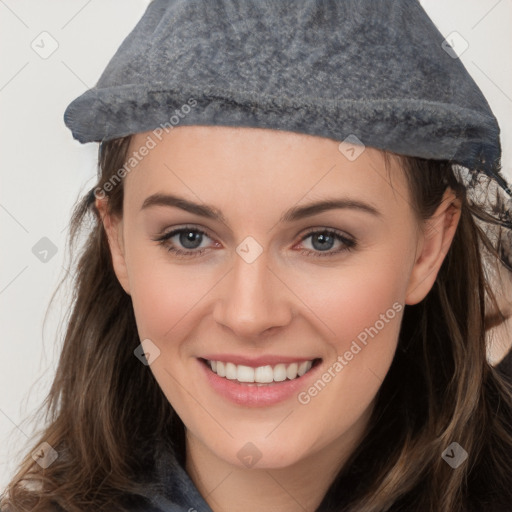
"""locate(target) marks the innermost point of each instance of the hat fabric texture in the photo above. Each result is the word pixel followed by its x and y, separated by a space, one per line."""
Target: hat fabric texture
pixel 378 70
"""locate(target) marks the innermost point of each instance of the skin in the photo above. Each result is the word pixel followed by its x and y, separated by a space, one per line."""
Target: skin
pixel 500 338
pixel 285 302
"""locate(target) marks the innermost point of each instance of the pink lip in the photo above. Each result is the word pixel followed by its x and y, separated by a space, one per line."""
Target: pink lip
pixel 254 362
pixel 256 396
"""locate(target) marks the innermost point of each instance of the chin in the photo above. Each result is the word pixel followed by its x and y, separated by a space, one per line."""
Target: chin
pixel 264 453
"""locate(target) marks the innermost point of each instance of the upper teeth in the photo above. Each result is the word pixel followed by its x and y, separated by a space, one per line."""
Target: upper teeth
pixel 261 374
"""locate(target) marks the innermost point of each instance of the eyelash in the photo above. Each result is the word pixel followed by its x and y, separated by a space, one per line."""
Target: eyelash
pixel 349 244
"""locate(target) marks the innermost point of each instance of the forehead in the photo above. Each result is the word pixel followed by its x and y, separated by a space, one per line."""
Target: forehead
pixel 249 165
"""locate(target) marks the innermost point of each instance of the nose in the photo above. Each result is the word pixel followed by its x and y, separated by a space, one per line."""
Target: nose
pixel 253 299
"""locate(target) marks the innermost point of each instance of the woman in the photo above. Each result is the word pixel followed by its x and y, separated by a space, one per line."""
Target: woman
pixel 282 302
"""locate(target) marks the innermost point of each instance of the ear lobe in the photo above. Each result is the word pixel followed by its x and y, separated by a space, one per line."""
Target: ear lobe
pixel 433 247
pixel 114 230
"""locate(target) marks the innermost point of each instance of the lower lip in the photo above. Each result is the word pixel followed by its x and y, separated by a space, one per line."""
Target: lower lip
pixel 253 395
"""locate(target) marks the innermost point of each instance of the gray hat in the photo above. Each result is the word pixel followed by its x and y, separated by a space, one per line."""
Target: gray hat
pixel 378 72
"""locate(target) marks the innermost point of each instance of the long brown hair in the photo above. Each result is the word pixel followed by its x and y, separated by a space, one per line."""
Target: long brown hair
pixel 105 411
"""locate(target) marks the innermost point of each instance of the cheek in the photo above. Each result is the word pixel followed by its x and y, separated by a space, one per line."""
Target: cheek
pixel 364 312
pixel 360 310
pixel 164 295
pixel 350 300
pixel 170 300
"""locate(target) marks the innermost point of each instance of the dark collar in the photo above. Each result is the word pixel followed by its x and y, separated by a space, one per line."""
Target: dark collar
pixel 177 491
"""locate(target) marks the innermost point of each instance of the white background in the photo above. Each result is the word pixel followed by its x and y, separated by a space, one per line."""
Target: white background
pixel 44 170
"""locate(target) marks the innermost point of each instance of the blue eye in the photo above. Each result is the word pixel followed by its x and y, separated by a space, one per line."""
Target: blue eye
pixel 323 240
pixel 188 238
pixel 191 238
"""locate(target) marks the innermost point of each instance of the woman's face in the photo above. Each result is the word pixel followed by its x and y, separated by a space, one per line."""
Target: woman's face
pixel 273 286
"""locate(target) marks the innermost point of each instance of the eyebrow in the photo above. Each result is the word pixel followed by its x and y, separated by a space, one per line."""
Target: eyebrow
pixel 293 214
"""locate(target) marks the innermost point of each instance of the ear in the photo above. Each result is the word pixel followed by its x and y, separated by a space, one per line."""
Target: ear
pixel 433 246
pixel 113 226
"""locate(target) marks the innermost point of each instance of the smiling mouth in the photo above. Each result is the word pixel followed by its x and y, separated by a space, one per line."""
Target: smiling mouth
pixel 261 375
